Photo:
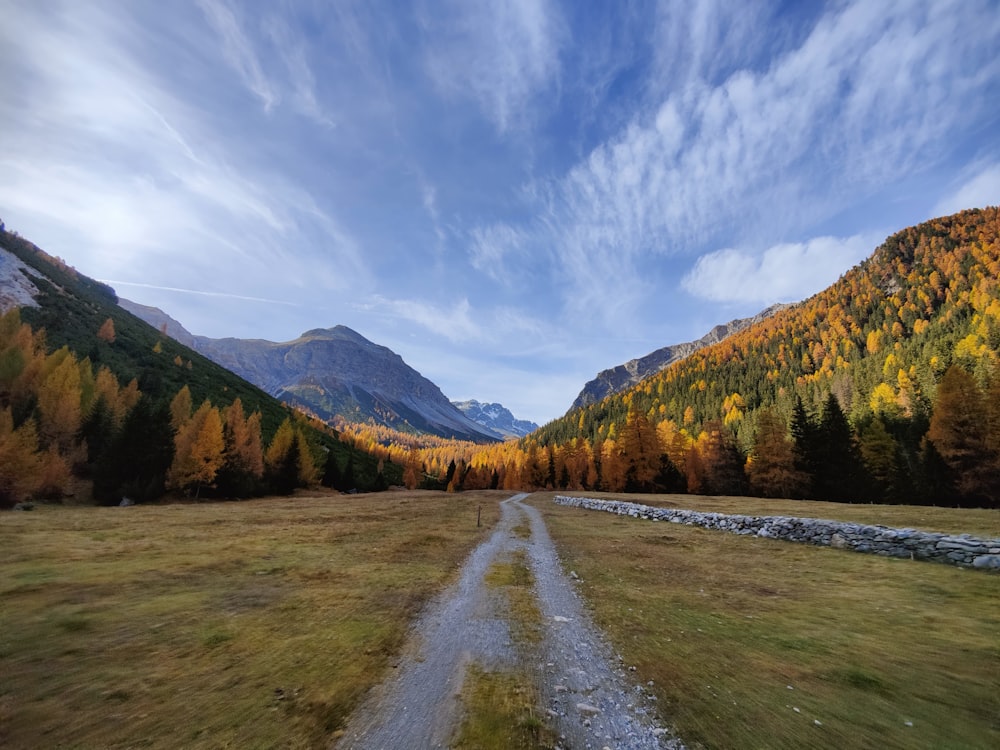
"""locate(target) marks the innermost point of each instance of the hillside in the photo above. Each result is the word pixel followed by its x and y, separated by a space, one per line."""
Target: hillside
pixel 619 378
pixel 73 310
pixel 885 386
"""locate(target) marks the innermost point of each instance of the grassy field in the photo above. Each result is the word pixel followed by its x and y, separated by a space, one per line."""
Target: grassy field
pixel 250 625
pixel 756 643
pixel 976 521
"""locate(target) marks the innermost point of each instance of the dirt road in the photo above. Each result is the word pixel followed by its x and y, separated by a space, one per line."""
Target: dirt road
pixel 589 701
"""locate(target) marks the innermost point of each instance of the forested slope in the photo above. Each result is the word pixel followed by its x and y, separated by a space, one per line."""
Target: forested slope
pixel 846 395
pixel 88 391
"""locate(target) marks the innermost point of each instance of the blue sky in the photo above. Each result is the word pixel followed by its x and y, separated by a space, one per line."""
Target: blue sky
pixel 511 195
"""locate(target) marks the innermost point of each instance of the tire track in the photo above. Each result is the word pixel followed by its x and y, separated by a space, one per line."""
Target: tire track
pixel 590 702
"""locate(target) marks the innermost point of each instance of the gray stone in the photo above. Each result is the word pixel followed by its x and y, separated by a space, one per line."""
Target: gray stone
pixel 991 562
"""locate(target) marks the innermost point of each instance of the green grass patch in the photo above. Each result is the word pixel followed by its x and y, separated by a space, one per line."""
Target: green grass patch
pixel 518 584
pixel 501 713
pixel 760 643
pixel 253 624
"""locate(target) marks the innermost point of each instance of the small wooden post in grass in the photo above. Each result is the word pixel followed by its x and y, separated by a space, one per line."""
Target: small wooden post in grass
pixel 479 514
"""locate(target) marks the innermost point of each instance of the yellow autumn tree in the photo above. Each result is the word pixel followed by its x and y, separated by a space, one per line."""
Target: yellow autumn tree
pixel 412 469
pixel 198 451
pixel 59 401
pixel 21 467
pixel 180 408
pixel 244 452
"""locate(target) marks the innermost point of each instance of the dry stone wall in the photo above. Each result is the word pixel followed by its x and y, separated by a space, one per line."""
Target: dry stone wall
pixel 963 549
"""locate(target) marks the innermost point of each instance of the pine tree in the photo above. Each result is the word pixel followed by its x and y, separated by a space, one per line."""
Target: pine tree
pixel 880 455
pixel 806 449
pixel 331 471
pixel 837 475
pixel 723 464
pixel 135 465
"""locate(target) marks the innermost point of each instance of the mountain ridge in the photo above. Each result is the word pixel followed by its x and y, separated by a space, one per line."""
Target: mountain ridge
pixel 335 371
pixel 496 417
pixel 624 376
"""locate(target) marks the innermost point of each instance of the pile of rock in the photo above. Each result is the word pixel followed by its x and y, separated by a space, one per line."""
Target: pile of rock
pixel 963 549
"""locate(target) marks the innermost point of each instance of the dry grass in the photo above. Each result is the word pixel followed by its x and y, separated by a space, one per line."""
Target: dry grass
pixel 254 624
pixel 501 713
pixel 976 521
pixel 739 632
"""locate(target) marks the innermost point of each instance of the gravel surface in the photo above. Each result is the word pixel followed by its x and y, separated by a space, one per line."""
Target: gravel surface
pixel 590 701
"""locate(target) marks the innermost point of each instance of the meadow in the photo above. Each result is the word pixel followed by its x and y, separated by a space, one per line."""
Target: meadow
pixel 253 624
pixel 753 642
pixel 262 623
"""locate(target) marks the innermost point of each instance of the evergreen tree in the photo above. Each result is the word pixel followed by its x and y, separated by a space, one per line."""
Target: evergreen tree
pixel 135 464
pixel 723 463
pixel 805 440
pixel 331 471
pixel 837 475
pixel 881 457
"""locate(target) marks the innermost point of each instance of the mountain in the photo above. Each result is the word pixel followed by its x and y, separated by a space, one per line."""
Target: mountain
pixel 622 377
pixel 495 417
pixel 160 321
pixel 334 371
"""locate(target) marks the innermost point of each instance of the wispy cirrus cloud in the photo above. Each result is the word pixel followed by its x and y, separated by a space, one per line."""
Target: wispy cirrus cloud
pixel 107 152
pixel 765 151
pixel 238 50
pixel 501 53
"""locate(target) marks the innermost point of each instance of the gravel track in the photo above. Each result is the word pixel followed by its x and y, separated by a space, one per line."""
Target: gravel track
pixel 591 703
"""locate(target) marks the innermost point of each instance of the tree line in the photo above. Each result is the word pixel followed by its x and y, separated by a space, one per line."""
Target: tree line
pixel 66 425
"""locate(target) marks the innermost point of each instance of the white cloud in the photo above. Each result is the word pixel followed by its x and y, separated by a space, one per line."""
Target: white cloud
pixel 783 273
pixel 859 102
pixel 501 53
pixel 106 156
pixel 454 323
pixel 239 51
pixel 977 191
pixel 494 247
pixel 201 292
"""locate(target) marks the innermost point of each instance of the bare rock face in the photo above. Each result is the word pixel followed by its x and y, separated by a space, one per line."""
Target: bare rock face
pixel 624 376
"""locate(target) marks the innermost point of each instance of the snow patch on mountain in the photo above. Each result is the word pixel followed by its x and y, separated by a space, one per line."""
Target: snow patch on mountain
pixel 496 417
